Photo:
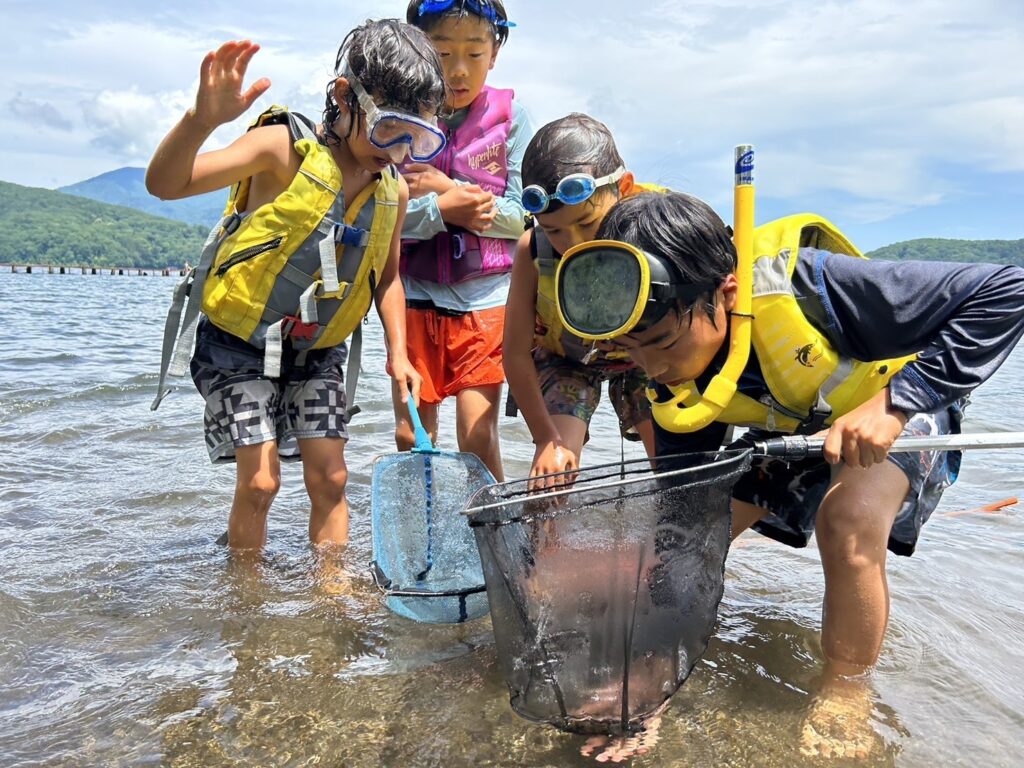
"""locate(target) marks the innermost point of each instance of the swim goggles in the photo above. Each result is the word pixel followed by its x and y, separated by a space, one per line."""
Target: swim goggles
pixel 396 130
pixel 482 9
pixel 607 288
pixel 571 190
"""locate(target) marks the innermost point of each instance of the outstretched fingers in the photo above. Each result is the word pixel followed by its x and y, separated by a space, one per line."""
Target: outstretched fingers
pixel 221 98
pixel 247 49
pixel 256 90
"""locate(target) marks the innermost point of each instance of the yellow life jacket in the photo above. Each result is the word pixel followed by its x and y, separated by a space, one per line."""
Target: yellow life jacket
pixel 302 267
pixel 810 384
pixel 551 334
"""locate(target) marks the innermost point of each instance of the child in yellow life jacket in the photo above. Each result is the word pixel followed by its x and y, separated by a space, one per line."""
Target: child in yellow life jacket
pixel 573 175
pixel 274 387
pixel 463 221
pixel 869 349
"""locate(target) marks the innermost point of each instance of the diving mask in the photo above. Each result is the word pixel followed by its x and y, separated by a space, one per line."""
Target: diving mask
pixel 398 131
pixel 607 288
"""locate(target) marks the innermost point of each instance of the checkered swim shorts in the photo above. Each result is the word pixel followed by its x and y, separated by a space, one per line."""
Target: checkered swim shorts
pixel 244 407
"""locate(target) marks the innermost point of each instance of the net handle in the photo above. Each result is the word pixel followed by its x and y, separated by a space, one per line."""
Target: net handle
pixel 796 447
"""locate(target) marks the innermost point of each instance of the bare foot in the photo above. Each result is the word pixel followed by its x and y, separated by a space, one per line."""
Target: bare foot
pixel 620 749
pixel 839 722
pixel 330 573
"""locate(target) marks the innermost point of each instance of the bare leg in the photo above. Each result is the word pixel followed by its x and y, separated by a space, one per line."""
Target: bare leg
pixel 404 437
pixel 573 432
pixel 476 423
pixel 744 515
pixel 257 481
pixel 325 474
pixel 646 431
pixel 852 529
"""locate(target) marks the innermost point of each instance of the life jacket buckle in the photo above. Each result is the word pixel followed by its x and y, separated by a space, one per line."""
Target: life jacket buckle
pixel 349 235
pixel 294 327
pixel 341 294
pixel 231 225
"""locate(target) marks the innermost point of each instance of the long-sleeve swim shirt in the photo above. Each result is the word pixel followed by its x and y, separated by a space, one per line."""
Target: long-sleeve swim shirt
pixel 961 319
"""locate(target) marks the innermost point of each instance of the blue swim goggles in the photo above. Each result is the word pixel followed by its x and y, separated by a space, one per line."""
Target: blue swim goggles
pixel 483 9
pixel 571 190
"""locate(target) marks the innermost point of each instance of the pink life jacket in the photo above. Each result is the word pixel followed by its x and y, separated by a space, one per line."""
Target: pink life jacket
pixel 476 152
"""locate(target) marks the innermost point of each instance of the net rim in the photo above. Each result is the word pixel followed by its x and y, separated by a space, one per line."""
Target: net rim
pixel 724 461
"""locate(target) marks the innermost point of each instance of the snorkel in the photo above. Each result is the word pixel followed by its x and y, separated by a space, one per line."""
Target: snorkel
pixel 689 409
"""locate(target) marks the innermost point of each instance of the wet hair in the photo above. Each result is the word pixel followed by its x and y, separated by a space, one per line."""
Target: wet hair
pixel 576 143
pixel 395 63
pixel 683 230
pixel 460 9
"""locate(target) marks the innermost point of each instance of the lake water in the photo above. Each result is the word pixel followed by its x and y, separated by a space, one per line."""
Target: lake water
pixel 128 637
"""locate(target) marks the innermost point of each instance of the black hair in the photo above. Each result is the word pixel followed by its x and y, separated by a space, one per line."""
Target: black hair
pixel 395 63
pixel 576 143
pixel 681 229
pixel 459 9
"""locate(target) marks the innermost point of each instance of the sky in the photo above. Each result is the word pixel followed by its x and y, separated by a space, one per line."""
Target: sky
pixel 896 119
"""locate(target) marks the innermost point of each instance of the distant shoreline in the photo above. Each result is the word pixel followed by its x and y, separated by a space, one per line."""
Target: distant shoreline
pixel 65 269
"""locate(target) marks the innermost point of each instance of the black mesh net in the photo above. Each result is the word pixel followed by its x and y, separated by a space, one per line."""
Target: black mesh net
pixel 604 594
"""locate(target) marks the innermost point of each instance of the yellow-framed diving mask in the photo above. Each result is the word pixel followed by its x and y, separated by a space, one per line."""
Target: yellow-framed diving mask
pixel 606 288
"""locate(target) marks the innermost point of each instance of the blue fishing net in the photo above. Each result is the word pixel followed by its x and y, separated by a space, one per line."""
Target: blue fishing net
pixel 425 559
pixel 603 595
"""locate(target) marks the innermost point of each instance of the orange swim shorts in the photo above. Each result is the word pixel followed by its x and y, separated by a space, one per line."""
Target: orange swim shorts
pixel 454 352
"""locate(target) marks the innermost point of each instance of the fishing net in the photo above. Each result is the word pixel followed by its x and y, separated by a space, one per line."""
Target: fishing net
pixel 604 594
pixel 425 560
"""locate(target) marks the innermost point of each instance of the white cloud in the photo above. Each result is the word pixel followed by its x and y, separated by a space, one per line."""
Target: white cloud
pixel 871 100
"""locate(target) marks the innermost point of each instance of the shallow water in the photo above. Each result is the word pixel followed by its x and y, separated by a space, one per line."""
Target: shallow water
pixel 129 638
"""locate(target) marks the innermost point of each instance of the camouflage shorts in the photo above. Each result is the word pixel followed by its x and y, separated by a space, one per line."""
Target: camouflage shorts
pixel 244 407
pixel 574 389
pixel 792 491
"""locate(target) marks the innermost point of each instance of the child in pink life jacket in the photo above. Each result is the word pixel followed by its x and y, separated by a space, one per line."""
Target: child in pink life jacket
pixel 460 232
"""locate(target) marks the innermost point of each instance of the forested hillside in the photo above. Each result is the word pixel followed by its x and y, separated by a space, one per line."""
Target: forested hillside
pixel 40 226
pixel 935 249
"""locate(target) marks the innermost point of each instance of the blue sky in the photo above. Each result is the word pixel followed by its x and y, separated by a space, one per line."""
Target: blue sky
pixel 896 119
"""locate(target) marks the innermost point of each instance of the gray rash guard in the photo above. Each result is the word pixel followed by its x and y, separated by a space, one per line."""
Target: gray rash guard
pixel 963 320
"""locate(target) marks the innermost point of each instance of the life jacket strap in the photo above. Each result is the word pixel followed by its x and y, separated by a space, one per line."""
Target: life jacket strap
pixel 186 305
pixel 354 239
pixel 355 352
pixel 822 411
pixel 273 350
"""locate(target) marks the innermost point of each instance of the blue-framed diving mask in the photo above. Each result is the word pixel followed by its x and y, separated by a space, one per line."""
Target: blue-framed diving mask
pixel 396 130
pixel 570 190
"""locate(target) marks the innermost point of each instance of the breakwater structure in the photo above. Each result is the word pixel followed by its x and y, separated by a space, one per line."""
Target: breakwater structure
pixel 64 269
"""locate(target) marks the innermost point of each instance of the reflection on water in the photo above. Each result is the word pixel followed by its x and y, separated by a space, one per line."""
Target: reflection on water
pixel 129 638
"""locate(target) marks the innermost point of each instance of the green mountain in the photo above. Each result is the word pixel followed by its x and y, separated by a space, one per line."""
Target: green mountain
pixel 937 249
pixel 127 186
pixel 40 226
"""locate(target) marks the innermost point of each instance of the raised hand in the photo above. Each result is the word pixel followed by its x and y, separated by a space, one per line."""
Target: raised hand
pixel 220 98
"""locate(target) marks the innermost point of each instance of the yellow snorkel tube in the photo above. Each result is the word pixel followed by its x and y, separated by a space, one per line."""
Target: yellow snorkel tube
pixel 689 409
